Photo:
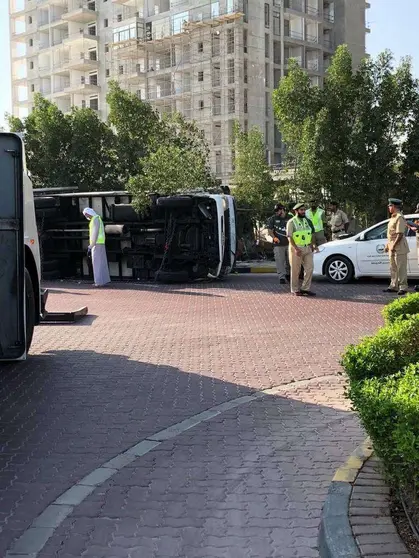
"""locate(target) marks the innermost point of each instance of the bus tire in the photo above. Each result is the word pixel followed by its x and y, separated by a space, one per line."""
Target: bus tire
pixel 29 309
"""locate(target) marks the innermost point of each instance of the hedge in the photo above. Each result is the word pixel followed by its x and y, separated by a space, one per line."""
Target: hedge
pixel 389 410
pixel 389 351
pixel 401 309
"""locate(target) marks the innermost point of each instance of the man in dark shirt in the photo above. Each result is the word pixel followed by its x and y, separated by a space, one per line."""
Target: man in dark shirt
pixel 277 228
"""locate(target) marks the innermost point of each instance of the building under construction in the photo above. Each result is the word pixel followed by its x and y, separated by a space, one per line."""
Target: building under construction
pixel 215 61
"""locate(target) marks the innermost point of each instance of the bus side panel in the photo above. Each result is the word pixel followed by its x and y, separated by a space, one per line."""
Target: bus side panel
pixel 12 263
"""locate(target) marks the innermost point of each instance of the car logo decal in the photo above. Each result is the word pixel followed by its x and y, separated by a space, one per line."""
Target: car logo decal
pixel 381 248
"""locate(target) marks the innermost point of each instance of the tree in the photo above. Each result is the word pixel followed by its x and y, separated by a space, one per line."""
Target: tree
pixel 47 135
pixel 92 155
pixel 75 150
pixel 169 170
pixel 138 128
pixel 348 140
pixel 252 179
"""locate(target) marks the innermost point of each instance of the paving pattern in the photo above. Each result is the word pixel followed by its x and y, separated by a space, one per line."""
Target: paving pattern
pixel 249 482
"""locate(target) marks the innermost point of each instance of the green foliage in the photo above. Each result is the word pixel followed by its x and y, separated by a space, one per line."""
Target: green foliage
pixel 385 353
pixel 169 170
pixel 389 410
pixel 137 126
pixel 75 150
pixel 357 139
pixel 254 186
pixel 401 309
pixel 47 134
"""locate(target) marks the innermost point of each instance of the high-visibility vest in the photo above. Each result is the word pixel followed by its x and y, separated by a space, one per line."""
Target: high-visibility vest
pixel 101 233
pixel 316 219
pixel 302 234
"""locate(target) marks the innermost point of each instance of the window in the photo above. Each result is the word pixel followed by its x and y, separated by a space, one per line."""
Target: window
pixel 106 47
pixel 178 21
pixel 108 72
pixel 216 133
pixel 119 17
pixel 231 101
pixel 216 75
pixel 120 70
pixel 377 233
pixel 246 95
pixel 200 47
pixel 215 9
pixel 32 88
pixel 30 20
pixel 277 23
pixel 230 70
pixel 126 32
pixel 92 28
pixel 216 43
pixel 267 74
pixel 106 22
pixel 267 133
pixel 246 11
pixel 218 165
pixel 267 47
pixel 267 104
pixel 216 104
pixel 267 16
pixel 201 76
pixel 93 54
pixel 93 79
pixel 30 42
pixel 245 72
pixel 31 65
pixel 94 103
pixel 201 105
pixel 245 41
pixel 230 41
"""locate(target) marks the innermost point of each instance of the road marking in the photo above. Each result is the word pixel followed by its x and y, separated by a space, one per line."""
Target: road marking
pixel 33 540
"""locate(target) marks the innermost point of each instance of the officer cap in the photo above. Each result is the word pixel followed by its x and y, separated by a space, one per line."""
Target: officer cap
pixel 394 201
pixel 298 206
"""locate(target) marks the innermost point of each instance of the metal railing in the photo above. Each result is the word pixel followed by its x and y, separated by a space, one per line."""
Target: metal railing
pixel 330 17
pixel 312 65
pixel 294 35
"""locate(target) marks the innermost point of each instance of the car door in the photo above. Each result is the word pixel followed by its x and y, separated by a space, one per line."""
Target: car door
pixel 413 268
pixel 372 258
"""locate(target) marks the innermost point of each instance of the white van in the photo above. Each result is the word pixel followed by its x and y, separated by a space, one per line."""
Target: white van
pixel 20 290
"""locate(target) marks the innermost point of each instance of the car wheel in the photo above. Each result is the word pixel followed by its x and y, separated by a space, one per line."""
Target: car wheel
pixel 339 269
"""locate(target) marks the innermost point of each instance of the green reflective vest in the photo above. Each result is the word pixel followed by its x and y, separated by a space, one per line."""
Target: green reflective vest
pixel 316 219
pixel 101 233
pixel 302 234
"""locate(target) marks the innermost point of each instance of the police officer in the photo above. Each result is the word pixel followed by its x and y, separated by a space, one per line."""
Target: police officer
pixel 318 218
pixel 300 232
pixel 277 228
pixel 397 248
pixel 339 221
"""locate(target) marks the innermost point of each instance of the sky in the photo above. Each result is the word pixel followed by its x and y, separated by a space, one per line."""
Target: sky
pixel 393 25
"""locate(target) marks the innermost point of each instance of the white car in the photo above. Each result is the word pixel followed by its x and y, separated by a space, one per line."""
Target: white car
pixel 362 255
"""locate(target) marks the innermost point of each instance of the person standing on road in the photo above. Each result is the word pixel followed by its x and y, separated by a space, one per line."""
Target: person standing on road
pixel 339 221
pixel 277 228
pixel 97 248
pixel 397 247
pixel 300 232
pixel 317 216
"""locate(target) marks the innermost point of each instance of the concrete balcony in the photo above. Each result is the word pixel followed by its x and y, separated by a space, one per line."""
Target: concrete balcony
pixel 81 12
pixel 80 38
pixel 82 86
pixel 124 2
pixel 82 63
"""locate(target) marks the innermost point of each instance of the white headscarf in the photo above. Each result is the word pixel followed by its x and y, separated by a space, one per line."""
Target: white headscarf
pixel 90 212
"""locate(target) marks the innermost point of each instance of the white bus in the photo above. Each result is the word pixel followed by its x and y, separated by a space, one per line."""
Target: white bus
pixel 21 302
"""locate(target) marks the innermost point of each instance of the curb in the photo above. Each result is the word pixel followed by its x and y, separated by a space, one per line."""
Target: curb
pixel 336 539
pixel 254 269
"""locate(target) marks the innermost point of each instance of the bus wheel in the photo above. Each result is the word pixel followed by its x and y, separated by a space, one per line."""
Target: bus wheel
pixel 29 308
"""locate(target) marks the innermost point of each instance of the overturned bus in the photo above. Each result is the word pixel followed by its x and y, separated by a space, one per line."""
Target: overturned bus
pixel 181 238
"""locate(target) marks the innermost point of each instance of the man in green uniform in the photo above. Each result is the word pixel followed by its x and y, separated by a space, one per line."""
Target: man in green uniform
pixel 317 216
pixel 397 248
pixel 300 232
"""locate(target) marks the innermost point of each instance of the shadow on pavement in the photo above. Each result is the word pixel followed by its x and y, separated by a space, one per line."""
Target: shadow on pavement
pixel 64 413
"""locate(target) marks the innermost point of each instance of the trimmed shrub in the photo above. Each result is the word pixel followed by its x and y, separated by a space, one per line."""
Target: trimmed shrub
pixel 401 309
pixel 389 410
pixel 391 349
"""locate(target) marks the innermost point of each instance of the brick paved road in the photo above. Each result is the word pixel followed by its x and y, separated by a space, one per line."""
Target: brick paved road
pixel 151 356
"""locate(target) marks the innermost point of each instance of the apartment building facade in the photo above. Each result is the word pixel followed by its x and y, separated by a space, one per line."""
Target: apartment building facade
pixel 215 61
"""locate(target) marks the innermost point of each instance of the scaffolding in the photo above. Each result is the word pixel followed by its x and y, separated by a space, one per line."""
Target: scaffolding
pixel 197 66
